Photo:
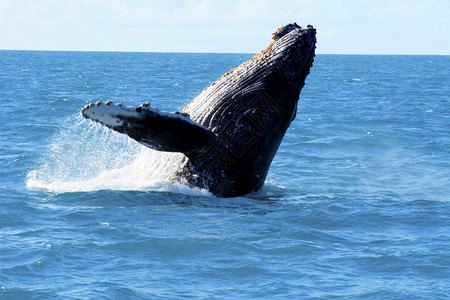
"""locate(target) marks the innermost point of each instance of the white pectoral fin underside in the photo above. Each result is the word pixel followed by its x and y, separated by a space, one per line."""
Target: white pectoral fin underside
pixel 173 132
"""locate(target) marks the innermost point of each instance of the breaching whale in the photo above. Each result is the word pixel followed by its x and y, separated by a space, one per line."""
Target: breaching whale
pixel 231 131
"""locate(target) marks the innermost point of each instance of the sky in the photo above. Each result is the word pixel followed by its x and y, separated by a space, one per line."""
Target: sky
pixel 241 26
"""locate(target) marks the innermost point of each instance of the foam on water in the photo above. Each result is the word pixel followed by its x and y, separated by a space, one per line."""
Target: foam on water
pixel 85 156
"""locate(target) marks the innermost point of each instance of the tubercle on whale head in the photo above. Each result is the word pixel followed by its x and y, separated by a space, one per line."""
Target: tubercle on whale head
pixel 283 30
pixel 279 34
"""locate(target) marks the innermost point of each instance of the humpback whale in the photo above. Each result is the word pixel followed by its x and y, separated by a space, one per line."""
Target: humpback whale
pixel 231 131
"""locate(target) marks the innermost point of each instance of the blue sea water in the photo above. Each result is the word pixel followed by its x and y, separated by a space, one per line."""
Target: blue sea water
pixel 356 203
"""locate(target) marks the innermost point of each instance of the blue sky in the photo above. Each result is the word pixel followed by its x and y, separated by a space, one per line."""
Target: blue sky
pixel 343 26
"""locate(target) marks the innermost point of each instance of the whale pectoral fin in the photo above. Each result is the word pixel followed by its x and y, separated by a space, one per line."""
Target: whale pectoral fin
pixel 172 132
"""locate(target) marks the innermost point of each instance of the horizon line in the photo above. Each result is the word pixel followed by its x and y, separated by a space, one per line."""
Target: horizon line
pixel 194 52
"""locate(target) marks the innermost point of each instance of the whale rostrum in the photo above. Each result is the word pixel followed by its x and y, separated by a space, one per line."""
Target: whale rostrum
pixel 232 130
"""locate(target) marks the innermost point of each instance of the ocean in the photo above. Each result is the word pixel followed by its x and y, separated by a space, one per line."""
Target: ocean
pixel 355 205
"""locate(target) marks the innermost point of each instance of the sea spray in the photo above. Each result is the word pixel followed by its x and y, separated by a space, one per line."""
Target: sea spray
pixel 85 156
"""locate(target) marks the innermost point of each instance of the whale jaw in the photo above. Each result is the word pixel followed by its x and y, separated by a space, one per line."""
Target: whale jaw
pixel 232 130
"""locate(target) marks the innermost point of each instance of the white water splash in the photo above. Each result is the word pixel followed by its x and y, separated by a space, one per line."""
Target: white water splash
pixel 85 156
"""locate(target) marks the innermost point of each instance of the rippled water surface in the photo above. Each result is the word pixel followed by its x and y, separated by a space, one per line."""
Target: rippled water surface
pixel 356 203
